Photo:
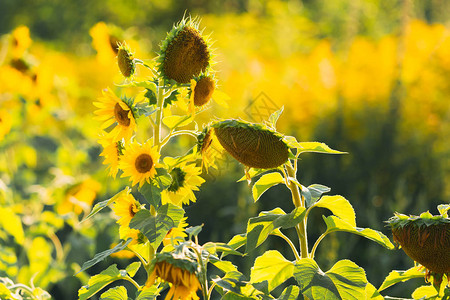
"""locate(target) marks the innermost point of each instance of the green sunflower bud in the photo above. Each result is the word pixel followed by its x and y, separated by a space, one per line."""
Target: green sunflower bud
pixel 125 61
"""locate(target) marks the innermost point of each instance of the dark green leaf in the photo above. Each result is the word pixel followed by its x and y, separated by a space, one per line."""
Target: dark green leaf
pixel 232 281
pixel 194 231
pixel 316 191
pixel 151 193
pixel 290 293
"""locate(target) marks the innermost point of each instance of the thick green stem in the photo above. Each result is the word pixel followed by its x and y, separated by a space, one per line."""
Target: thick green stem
pixel 298 202
pixel 294 250
pixel 159 115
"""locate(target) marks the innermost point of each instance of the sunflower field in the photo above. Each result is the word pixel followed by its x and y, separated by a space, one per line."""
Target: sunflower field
pixel 235 149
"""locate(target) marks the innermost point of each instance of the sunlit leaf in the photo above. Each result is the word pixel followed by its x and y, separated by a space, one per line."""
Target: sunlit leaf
pixel 443 209
pixel 316 191
pixel 133 268
pixel 290 293
pixel 156 227
pixel 237 241
pixel 148 293
pixel 177 121
pixel 214 248
pixel 98 282
pixel 425 292
pixel 336 224
pixel 275 116
pixel 372 293
pixel 395 277
pixel 345 280
pixel 232 281
pixel 12 224
pixel 224 265
pixel 317 147
pixel 101 205
pixel 102 255
pixel 264 183
pixel 115 293
pixel 340 207
pixel 5 293
pixel 273 267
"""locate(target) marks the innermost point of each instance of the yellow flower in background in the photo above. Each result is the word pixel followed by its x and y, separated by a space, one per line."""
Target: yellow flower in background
pixel 5 123
pixel 139 162
pixel 179 273
pixel 105 41
pixel 176 234
pixel 185 180
pixel 113 109
pixel 21 41
pixel 125 207
pixel 79 198
pixel 111 152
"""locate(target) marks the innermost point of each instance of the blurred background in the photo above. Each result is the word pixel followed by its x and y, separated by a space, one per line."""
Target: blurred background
pixel 369 77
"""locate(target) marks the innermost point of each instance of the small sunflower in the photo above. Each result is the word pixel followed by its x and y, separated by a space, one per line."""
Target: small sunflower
pixel 180 273
pixel 185 180
pixel 125 61
pixel 125 207
pixel 21 41
pixel 184 53
pixel 253 145
pixel 176 234
pixel 139 162
pixel 111 152
pixel 113 109
pixel 5 123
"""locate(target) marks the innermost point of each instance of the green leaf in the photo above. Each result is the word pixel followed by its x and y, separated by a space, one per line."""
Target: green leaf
pixel 264 183
pixel 101 205
pixel 194 230
pixel 237 242
pixel 5 293
pixel 213 248
pixel 133 268
pixel 443 209
pixel 275 116
pixel 115 293
pixel 340 207
pixel 345 280
pixel 98 282
pixel 177 121
pixel 336 224
pixel 372 293
pixel 151 193
pixel 259 228
pixel 224 265
pixel 425 292
pixel 316 191
pixel 290 293
pixel 317 147
pixel 395 277
pixel 102 255
pixel 273 268
pixel 232 281
pixel 156 227
pixel 148 293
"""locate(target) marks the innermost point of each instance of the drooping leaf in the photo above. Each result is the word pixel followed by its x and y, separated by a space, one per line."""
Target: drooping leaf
pixel 345 280
pixel 115 293
pixel 425 292
pixel 156 227
pixel 264 183
pixel 290 293
pixel 102 255
pixel 232 281
pixel 259 228
pixel 317 147
pixel 98 282
pixel 133 268
pixel 340 207
pixel 316 191
pixel 336 224
pixel 395 277
pixel 273 268
pixel 101 205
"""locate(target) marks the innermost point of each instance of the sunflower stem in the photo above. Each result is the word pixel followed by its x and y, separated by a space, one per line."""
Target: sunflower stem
pixel 294 250
pixel 159 115
pixel 298 202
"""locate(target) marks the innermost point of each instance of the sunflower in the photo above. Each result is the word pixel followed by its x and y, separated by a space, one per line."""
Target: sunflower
pixel 105 41
pixel 79 197
pixel 176 234
pixel 21 41
pixel 184 53
pixel 125 207
pixel 5 123
pixel 139 162
pixel 111 152
pixel 113 109
pixel 125 60
pixel 185 180
pixel 179 273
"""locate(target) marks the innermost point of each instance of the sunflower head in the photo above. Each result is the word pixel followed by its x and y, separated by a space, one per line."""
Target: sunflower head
pixel 112 151
pixel 125 60
pixel 21 41
pixel 251 144
pixel 180 272
pixel 184 53
pixel 426 239
pixel 202 89
pixel 125 207
pixel 208 147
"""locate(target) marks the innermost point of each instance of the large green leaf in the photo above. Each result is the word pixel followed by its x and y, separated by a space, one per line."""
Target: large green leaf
pixel 264 183
pixel 224 265
pixel 101 205
pixel 259 228
pixel 102 255
pixel 115 293
pixel 151 193
pixel 395 277
pixel 340 207
pixel 372 293
pixel 290 293
pixel 156 227
pixel 98 282
pixel 273 268
pixel 148 293
pixel 344 281
pixel 317 147
pixel 425 292
pixel 336 224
